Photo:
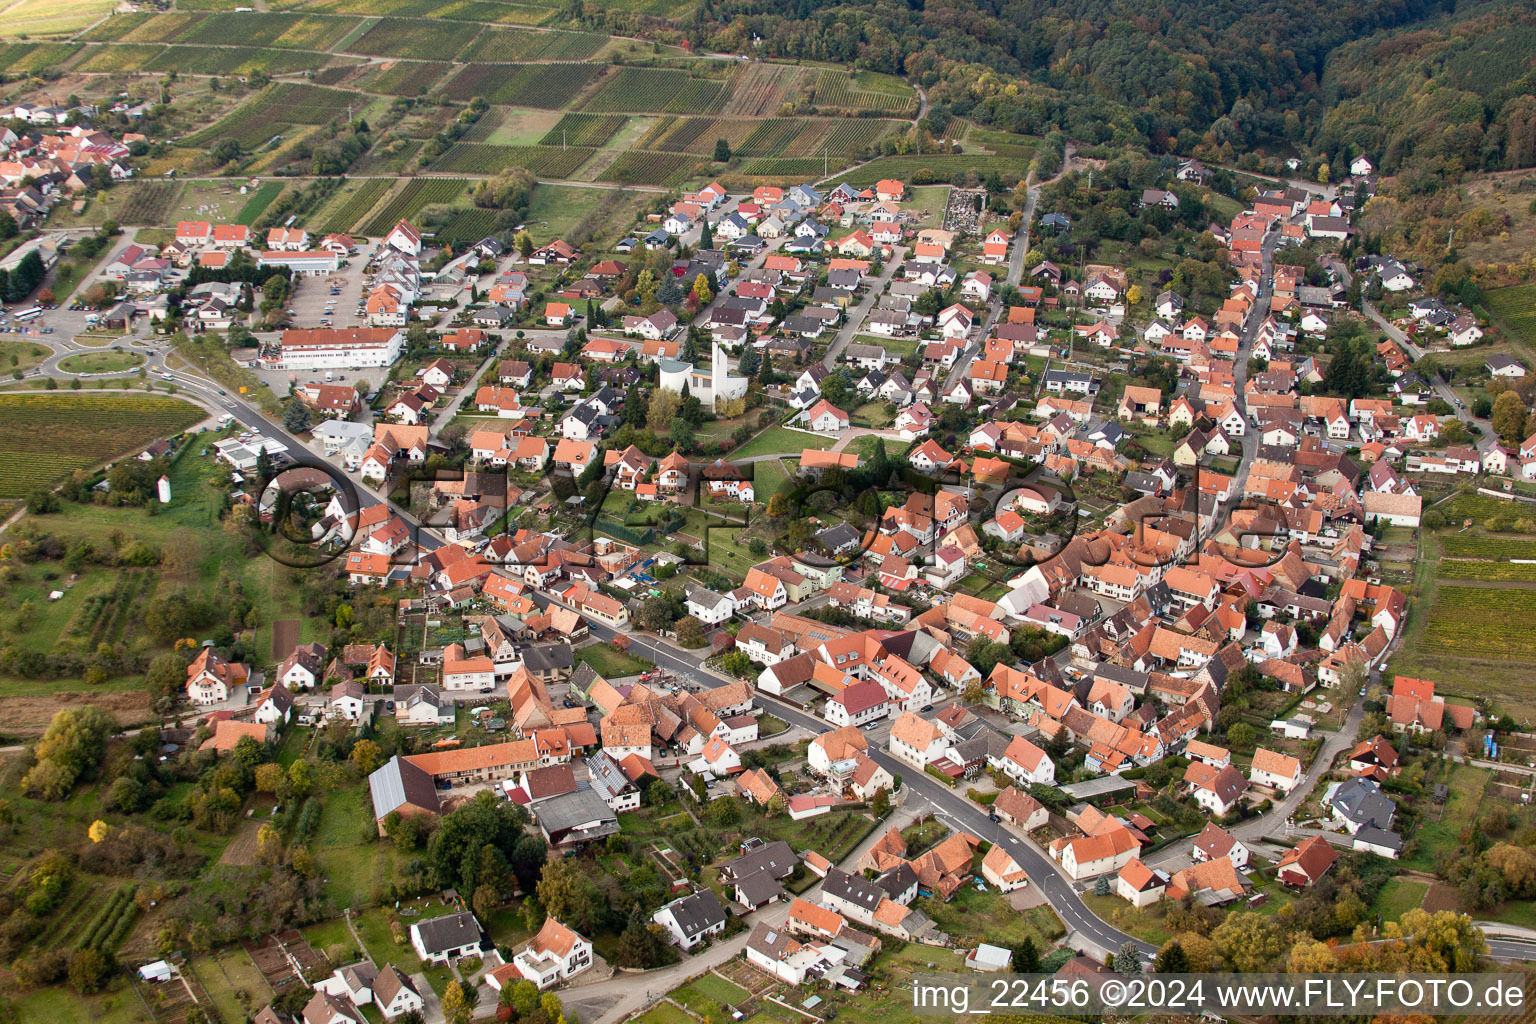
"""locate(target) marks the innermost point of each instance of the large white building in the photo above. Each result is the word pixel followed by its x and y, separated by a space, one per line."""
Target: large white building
pixel 335 349
pixel 708 386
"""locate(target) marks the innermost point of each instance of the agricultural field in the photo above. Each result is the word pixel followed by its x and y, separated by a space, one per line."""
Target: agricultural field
pixel 760 89
pixel 27 57
pixel 403 37
pixel 355 205
pixel 410 200
pixel 1468 545
pixel 467 227
pixel 698 96
pixel 933 169
pixel 1468 569
pixel 53 17
pixel 637 90
pixel 1482 622
pixel 406 78
pixel 696 134
pixel 1515 310
pixel 770 136
pixel 862 90
pixel 284 103
pixel 559 210
pixel 258 202
pixel 230 60
pixel 124 57
pixel 584 130
pixel 44 438
pixel 514 44
pixel 794 169
pixel 638 167
pixel 479 158
pixel 144 202
pixel 545 86
pixel 252 28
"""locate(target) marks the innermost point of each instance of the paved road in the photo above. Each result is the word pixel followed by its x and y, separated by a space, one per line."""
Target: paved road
pixel 1088 931
pixel 857 314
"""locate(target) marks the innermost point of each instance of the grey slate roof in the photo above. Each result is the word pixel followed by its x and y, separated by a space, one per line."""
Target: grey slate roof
pixel 451 932
pixel 698 912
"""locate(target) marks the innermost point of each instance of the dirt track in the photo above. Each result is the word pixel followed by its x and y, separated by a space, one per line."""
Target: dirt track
pixel 285 637
pixel 29 716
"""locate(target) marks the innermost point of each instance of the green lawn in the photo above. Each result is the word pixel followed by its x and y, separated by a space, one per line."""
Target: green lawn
pixel 720 990
pixel 697 1003
pixel 230 971
pixel 16 356
pixel 974 916
pixel 782 441
pixel 864 446
pixel 102 361
pixel 1436 837
pixel 612 664
pixel 664 1013
pixel 1399 896
pixel 768 479
pixel 727 554
pixel 1144 922
pixel 330 936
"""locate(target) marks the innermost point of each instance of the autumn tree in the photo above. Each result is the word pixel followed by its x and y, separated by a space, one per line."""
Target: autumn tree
pixel 1248 942
pixel 1508 417
pixel 457 1004
pixel 568 894
pixel 367 756
pixel 1171 959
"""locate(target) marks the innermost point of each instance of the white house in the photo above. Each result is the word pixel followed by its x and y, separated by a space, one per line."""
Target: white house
pixel 707 606
pixel 1275 770
pixel 692 919
pixel 447 938
pixel 916 741
pixel 1026 763
pixel 857 704
pixel 554 955
pixel 395 993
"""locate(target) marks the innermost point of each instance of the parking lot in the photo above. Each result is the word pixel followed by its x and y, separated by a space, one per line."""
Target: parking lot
pixel 313 305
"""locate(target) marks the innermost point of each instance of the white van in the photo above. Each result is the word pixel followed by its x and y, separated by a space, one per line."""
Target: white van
pixel 327 376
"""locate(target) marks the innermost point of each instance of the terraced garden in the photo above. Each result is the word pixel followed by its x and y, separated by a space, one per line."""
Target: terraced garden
pixel 514 44
pixel 406 78
pixel 638 90
pixel 1515 310
pixel 545 86
pixel 480 158
pixel 1483 623
pixel 638 167
pixel 356 205
pixel 44 438
pixel 584 130
pixel 406 37
pixel 284 103
pixel 410 200
pixel 863 90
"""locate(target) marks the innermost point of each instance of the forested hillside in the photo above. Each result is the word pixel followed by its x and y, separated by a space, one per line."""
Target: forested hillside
pixel 1097 69
pixel 1452 96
